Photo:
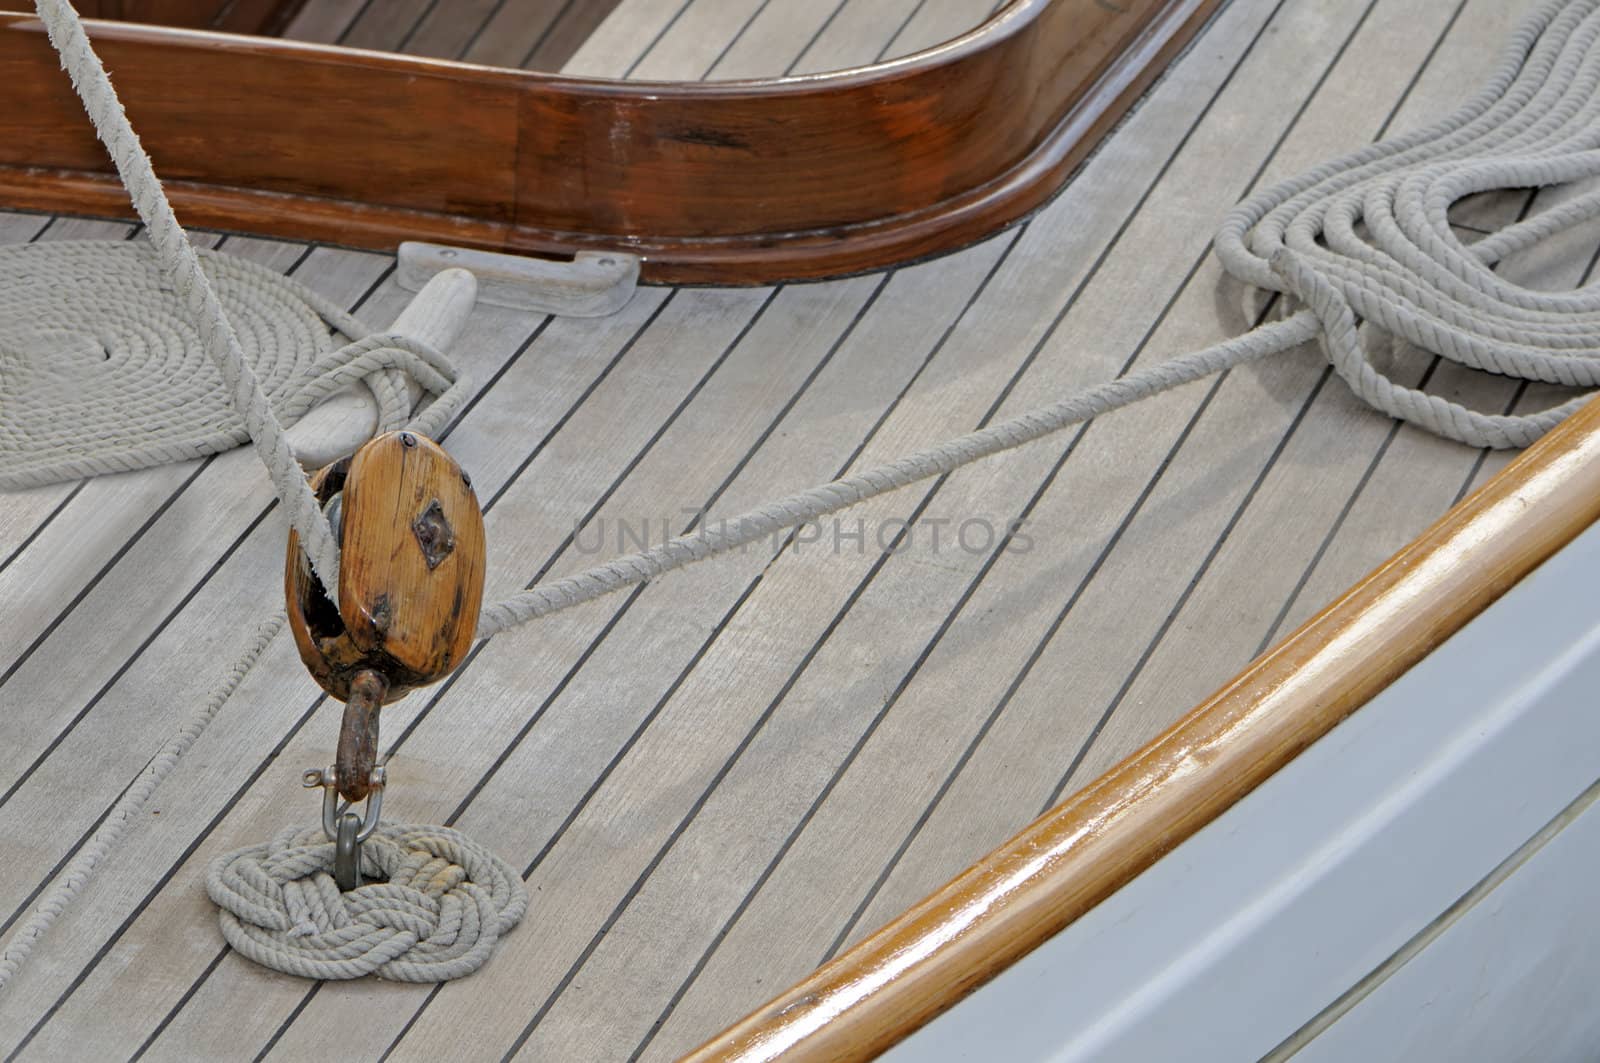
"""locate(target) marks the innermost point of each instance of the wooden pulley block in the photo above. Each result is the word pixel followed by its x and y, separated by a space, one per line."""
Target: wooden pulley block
pixel 410 584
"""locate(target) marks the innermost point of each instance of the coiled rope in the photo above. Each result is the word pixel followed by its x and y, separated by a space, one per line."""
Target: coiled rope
pixel 1364 238
pixel 101 367
pixel 441 905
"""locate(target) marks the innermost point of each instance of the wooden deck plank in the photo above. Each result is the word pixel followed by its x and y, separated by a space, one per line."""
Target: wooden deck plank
pixel 685 40
pixel 936 21
pixel 774 39
pixel 1107 621
pixel 534 34
pixel 547 534
pixel 864 855
pixel 615 675
pixel 724 417
pixel 696 40
pixel 543 524
pixel 1230 614
pixel 383 26
pixel 1224 673
pixel 744 662
pixel 628 36
pixel 693 328
pixel 514 31
pixel 586 717
pixel 324 21
pixel 868 31
pixel 551 382
pixel 567 34
pixel 706 300
pixel 557 371
pixel 447 29
pixel 717 780
pixel 857 33
pixel 95 615
pixel 1236 604
pixel 316 1030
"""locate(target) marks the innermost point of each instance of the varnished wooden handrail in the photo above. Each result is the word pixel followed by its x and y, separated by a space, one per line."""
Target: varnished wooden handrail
pixel 1096 841
pixel 731 182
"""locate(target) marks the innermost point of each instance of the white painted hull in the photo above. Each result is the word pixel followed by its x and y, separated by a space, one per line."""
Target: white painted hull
pixel 1419 885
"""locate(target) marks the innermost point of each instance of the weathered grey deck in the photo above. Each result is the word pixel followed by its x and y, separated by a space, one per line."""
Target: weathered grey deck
pixel 716 782
pixel 668 39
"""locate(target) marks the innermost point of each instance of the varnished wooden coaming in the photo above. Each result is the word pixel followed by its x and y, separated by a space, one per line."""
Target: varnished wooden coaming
pixel 230 16
pixel 1077 854
pixel 1302 537
pixel 735 182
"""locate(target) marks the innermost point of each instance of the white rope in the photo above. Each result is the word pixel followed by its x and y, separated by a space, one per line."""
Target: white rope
pixel 181 265
pixel 443 901
pixel 102 370
pixel 1534 124
pixel 1406 275
pixel 76 876
pixel 797 509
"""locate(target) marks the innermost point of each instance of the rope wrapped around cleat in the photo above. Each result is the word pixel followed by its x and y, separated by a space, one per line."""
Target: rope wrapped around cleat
pixel 443 903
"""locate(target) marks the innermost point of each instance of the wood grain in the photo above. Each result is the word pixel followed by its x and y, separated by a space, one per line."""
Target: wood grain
pixel 736 182
pixel 656 945
pixel 410 571
pixel 230 16
pixel 1083 850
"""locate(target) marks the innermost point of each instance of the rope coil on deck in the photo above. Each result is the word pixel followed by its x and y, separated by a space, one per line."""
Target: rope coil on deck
pixel 102 369
pixel 443 903
pixel 1363 242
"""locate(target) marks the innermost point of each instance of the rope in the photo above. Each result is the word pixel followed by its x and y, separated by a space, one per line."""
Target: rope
pixel 76 876
pixel 101 368
pixel 803 506
pixel 444 902
pixel 1532 125
pixel 181 265
pixel 1362 242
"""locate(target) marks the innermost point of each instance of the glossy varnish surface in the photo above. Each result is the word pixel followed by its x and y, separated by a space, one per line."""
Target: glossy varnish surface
pixel 719 782
pixel 1077 854
pixel 735 183
pixel 229 16
pixel 410 569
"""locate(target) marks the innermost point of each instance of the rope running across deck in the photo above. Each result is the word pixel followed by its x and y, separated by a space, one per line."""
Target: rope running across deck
pixel 1364 238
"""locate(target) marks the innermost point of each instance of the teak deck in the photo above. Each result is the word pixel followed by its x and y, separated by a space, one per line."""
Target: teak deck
pixel 720 780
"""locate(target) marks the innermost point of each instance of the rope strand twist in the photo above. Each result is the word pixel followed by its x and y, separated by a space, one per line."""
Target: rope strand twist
pixel 443 903
pixel 1362 243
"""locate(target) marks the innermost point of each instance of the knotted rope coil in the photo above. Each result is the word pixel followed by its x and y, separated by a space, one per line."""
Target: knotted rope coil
pixel 1363 242
pixel 444 902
